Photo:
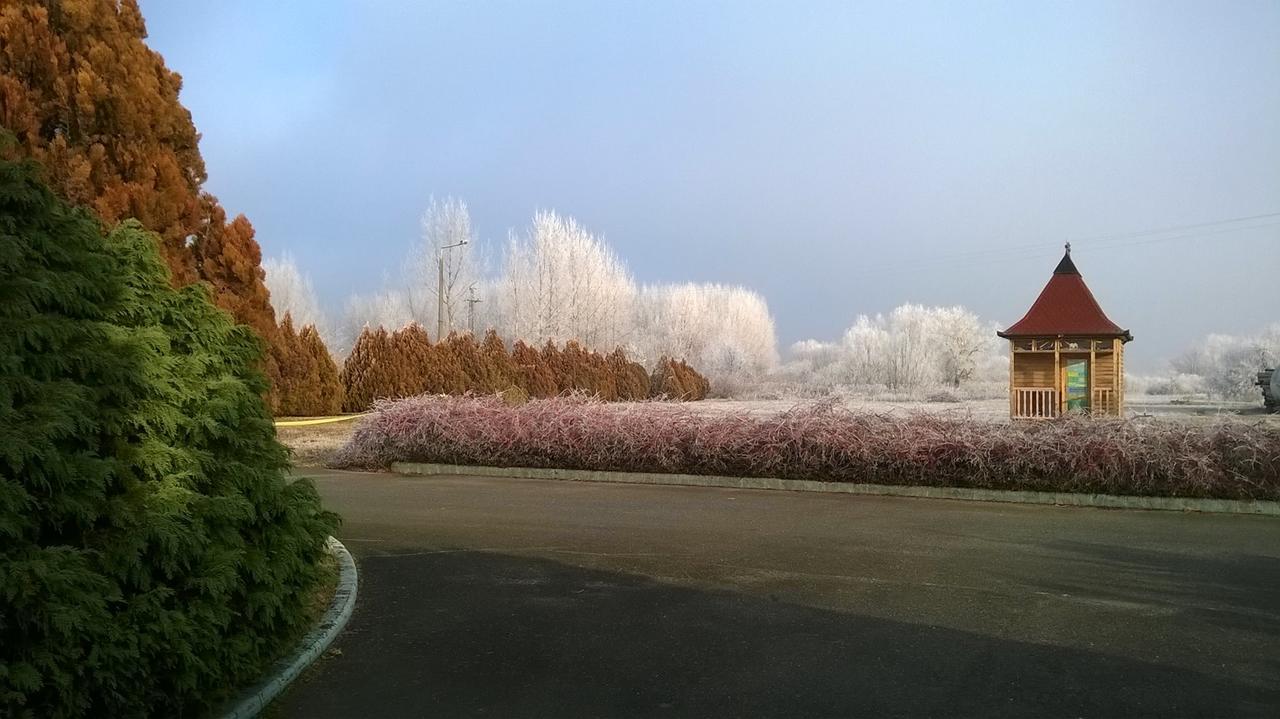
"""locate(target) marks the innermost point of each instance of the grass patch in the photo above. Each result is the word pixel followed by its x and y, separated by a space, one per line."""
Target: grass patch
pixel 315 445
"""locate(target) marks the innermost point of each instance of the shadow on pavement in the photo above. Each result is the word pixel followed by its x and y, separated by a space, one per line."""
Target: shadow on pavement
pixel 1234 591
pixel 468 633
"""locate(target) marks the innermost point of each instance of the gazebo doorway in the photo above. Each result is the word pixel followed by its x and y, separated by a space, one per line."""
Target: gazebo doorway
pixel 1075 383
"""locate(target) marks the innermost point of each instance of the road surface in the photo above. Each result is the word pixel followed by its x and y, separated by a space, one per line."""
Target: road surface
pixel 497 597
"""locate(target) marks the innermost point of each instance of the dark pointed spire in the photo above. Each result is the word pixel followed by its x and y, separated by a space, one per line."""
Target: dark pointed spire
pixel 1066 266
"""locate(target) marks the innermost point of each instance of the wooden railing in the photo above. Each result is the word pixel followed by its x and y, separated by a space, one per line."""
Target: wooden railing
pixel 1104 401
pixel 1035 402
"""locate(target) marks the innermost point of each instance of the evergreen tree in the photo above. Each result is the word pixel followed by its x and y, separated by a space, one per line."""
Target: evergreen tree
pixel 366 375
pixel 308 383
pixel 500 368
pixel 552 360
pixel 670 380
pixel 230 260
pixel 285 396
pixel 676 380
pixel 325 393
pixel 467 354
pixel 152 553
pixel 86 97
pixel 631 379
pixel 534 377
pixel 414 369
pixel 451 375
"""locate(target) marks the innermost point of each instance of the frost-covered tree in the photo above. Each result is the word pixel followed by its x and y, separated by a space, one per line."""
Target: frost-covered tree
pixel 960 338
pixel 726 332
pixel 445 223
pixel 911 348
pixel 1227 365
pixel 560 283
pixel 866 346
pixel 388 309
pixel 292 294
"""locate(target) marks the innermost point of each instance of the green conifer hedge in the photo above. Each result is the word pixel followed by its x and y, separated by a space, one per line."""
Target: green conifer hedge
pixel 152 554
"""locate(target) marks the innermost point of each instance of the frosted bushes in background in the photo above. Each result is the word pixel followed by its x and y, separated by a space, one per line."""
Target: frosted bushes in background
pixel 1220 367
pixel 912 352
pixel 825 442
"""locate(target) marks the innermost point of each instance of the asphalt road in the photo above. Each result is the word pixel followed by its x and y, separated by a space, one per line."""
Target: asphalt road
pixel 494 597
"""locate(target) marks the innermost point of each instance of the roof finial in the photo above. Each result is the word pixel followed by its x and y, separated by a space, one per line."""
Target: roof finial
pixel 1068 248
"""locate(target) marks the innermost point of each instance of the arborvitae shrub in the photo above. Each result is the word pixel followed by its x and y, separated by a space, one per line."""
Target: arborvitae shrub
pixel 553 360
pixel 631 378
pixel 499 366
pixel 84 95
pixel 575 368
pixel 466 353
pixel 450 377
pixel 535 378
pixel 695 386
pixel 405 363
pixel 663 381
pixel 354 398
pixel 152 554
pixel 327 388
pixel 369 372
pixel 412 368
pixel 285 395
pixel 674 379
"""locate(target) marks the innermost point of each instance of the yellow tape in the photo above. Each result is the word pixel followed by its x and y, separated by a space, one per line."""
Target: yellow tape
pixel 318 420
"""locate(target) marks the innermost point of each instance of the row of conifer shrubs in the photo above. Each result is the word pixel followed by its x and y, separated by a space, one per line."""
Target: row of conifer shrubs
pixel 406 363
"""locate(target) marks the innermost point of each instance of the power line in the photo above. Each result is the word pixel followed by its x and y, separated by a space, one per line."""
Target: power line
pixel 1107 241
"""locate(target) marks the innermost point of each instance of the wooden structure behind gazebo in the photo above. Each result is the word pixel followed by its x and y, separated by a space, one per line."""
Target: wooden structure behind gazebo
pixel 1065 355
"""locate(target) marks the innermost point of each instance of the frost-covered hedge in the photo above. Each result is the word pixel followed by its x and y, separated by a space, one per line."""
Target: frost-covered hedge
pixel 827 443
pixel 152 554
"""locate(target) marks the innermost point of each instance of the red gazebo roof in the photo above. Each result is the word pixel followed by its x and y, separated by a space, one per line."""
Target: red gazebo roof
pixel 1066 307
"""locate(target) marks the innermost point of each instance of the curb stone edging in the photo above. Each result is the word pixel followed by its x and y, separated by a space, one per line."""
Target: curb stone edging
pixel 1070 499
pixel 252 701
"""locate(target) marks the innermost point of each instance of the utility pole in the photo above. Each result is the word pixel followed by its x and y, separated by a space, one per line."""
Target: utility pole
pixel 440 328
pixel 471 308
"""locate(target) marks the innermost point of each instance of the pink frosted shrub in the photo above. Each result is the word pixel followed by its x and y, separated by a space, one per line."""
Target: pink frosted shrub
pixel 827 443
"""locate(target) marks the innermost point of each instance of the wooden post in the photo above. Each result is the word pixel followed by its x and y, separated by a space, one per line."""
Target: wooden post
pixel 1093 362
pixel 1117 372
pixel 1058 398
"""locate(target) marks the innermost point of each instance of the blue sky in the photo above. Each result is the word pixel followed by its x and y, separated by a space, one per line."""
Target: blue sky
pixel 840 158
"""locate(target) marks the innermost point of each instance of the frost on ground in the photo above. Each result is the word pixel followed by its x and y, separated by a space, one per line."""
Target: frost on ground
pixel 1167 407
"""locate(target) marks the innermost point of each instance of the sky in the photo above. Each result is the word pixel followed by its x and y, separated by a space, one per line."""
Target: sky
pixel 839 158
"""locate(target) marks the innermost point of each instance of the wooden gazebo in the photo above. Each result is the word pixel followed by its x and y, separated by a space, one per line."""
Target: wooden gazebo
pixel 1065 355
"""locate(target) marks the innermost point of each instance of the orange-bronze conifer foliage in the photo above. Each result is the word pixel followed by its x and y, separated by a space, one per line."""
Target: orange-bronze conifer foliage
pixel 308 384
pixel 533 374
pixel 676 380
pixel 87 98
pixel 405 363
pixel 365 374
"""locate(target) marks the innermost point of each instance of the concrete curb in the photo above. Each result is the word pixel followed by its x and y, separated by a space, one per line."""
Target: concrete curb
pixel 256 698
pixel 1179 504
